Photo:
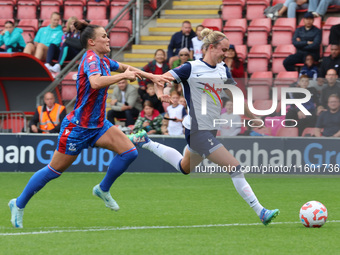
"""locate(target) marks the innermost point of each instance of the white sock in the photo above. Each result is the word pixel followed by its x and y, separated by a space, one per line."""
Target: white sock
pixel 245 191
pixel 168 154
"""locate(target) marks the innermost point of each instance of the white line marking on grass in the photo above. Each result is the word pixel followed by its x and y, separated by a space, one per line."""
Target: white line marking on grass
pixel 98 229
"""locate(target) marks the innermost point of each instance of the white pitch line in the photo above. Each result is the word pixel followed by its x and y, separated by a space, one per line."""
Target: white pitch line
pixel 93 229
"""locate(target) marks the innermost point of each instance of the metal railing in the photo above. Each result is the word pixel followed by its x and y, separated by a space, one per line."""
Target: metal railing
pixel 12 122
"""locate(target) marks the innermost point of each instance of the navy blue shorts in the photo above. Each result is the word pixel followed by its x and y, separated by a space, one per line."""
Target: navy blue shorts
pixel 202 142
pixel 73 139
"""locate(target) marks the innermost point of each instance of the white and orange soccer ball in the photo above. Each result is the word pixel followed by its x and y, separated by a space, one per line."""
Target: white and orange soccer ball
pixel 313 214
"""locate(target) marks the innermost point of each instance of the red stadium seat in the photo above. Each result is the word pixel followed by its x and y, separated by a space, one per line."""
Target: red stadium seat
pixel 258 58
pixel 288 132
pixel 3 21
pixel 286 78
pixel 232 9
pixel 258 31
pixel 331 21
pixel 27 9
pixel 122 31
pixel 281 52
pixel 261 78
pixel 47 7
pixel 255 8
pixel 28 24
pixel 116 7
pixel 282 32
pixel 317 22
pixel 15 125
pixel 260 92
pixel 96 10
pixel 101 22
pixel 6 9
pixel 235 29
pixel 73 8
pixel 263 104
pixel 241 51
pixel 214 24
pixel 68 86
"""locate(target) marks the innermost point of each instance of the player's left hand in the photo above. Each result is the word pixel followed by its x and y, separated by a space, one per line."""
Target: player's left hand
pixel 160 80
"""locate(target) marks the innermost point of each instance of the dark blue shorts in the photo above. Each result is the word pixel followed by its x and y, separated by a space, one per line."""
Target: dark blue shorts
pixel 73 139
pixel 202 142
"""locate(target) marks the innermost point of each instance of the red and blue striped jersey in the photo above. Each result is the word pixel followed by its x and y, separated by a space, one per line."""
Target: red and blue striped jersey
pixel 89 109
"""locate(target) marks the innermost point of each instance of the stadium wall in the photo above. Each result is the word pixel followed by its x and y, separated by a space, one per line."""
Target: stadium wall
pixel 30 152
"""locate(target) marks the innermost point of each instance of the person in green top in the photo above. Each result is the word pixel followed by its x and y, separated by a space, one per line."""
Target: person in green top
pixel 12 38
pixel 45 36
pixel 149 119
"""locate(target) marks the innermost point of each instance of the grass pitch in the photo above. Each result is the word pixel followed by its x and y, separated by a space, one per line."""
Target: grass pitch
pixel 167 214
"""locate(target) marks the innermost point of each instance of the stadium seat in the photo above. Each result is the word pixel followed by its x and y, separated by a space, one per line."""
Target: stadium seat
pixel 232 9
pixel 100 22
pixel 285 78
pixel 255 8
pixel 116 7
pixel 3 21
pixel 309 131
pixel 122 31
pixel 73 8
pixel 68 86
pixel 235 29
pixel 258 31
pixel 241 51
pixel 15 125
pixel 282 32
pixel 288 132
pixel 27 9
pixel 258 58
pixel 29 24
pixel 47 7
pixel 331 21
pixel 317 22
pixel 281 52
pixel 260 92
pixel 6 9
pixel 261 78
pixel 96 10
pixel 214 24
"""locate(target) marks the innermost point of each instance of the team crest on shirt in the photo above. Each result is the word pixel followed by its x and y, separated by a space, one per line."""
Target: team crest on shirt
pixel 72 147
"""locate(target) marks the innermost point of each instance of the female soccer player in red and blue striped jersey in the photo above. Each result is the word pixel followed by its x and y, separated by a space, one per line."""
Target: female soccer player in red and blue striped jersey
pixel 86 124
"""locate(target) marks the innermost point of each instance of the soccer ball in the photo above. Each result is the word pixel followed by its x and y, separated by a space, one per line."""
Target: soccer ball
pixel 313 214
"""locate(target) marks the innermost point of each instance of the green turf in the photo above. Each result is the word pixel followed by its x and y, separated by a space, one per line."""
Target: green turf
pixel 67 204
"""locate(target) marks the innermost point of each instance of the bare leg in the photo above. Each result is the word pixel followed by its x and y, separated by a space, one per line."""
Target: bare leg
pixel 41 51
pixel 29 49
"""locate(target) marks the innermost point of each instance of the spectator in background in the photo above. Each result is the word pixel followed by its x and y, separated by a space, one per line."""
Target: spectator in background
pixel 125 103
pixel 49 116
pixel 197 43
pixel 319 7
pixel 45 36
pixel 290 6
pixel 179 40
pixel 70 46
pixel 12 38
pixel 330 62
pixel 149 119
pixel 294 112
pixel 151 96
pixel 334 35
pixel 184 56
pixel 333 87
pixel 309 69
pixel 307 40
pixel 175 115
pixel 329 120
pixel 157 66
pixel 233 127
pixel 183 102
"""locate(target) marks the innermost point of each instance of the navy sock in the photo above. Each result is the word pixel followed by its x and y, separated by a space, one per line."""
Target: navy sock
pixel 180 168
pixel 118 166
pixel 36 183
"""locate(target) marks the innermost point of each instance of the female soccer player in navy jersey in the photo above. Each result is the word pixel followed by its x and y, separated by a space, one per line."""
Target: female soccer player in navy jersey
pixel 198 77
pixel 86 124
